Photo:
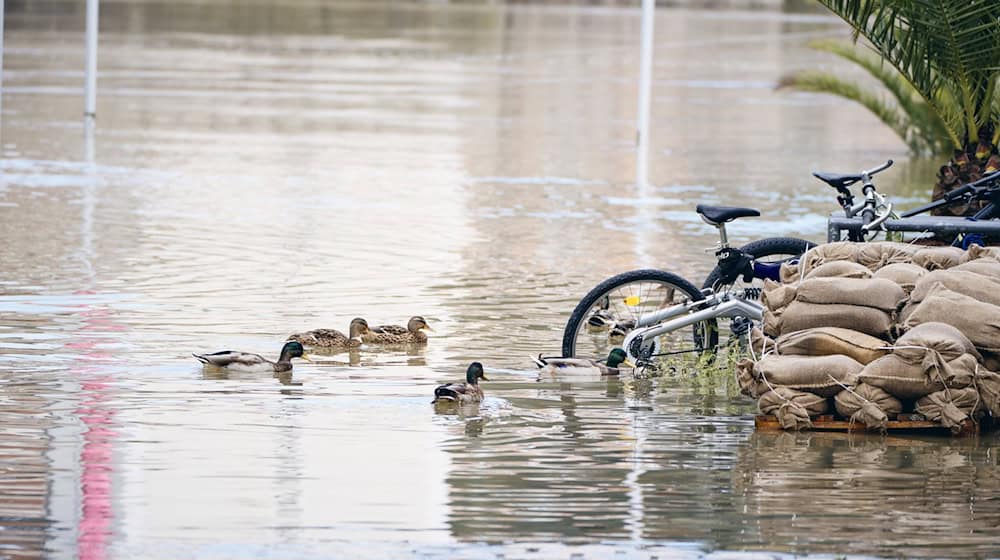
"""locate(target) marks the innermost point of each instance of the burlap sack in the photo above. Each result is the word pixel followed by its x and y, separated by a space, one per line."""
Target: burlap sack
pixel 903 274
pixel 986 267
pixel 899 378
pixel 820 254
pixel 747 379
pixel 977 286
pixel 979 321
pixel 760 344
pixel 792 408
pixel 905 312
pixel 951 407
pixel 821 375
pixel 789 272
pixel 880 294
pixel 936 258
pixel 839 269
pixel 867 404
pixel 877 255
pixel 801 315
pixel 979 252
pixel 775 296
pixel 826 341
pixel 942 338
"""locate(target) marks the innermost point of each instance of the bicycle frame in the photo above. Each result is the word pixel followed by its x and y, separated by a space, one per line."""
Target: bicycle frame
pixel 723 304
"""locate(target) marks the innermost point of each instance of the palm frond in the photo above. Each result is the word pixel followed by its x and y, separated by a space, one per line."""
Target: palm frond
pixel 933 43
pixel 917 116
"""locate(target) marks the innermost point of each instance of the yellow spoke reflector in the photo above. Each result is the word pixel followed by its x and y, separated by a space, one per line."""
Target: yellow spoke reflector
pixel 632 300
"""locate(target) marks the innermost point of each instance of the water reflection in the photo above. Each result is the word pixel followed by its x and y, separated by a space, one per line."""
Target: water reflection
pixel 294 167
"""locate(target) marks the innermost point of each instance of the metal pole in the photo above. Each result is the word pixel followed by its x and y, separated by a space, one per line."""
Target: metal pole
pixel 90 88
pixel 645 87
pixel 1 60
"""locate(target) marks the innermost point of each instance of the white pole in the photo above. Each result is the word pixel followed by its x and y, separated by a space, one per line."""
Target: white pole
pixel 1 60
pixel 645 87
pixel 90 88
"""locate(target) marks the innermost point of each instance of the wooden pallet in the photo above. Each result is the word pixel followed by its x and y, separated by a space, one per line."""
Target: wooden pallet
pixel 902 423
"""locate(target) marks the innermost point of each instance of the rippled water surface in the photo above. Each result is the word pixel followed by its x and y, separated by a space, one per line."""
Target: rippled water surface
pixel 257 170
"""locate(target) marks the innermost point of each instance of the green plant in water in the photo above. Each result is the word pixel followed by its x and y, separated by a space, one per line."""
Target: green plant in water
pixel 938 62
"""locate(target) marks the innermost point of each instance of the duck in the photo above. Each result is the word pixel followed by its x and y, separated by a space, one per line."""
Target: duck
pixel 412 333
pixel 463 393
pixel 245 361
pixel 583 366
pixel 332 338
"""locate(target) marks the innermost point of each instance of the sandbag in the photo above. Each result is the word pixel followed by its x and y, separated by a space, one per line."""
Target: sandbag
pixel 936 258
pixel 821 254
pixel 951 407
pixel 979 321
pixel 747 379
pixel 839 269
pixel 792 408
pixel 867 404
pixel 986 267
pixel 789 272
pixel 879 294
pixel 760 343
pixel 942 338
pixel 801 315
pixel 977 286
pixel 876 255
pixel 910 380
pixel 775 296
pixel 903 274
pixel 899 378
pixel 826 341
pixel 979 252
pixel 821 375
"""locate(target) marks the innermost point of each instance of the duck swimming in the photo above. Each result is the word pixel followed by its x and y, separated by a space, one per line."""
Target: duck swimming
pixel 463 393
pixel 332 338
pixel 245 361
pixel 582 366
pixel 412 333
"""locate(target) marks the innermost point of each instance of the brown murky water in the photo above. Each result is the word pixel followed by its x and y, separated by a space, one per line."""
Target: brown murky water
pixel 258 170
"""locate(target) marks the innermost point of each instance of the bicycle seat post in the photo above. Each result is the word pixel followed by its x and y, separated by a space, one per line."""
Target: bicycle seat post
pixel 723 238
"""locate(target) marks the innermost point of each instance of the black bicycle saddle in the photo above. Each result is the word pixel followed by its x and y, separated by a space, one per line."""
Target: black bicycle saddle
pixel 716 215
pixel 837 180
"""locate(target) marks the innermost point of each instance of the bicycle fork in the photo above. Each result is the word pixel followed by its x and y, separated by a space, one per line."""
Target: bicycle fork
pixel 683 315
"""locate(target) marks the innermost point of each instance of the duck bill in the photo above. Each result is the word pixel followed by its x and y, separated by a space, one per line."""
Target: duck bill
pixel 484 378
pixel 306 357
pixel 428 328
pixel 629 364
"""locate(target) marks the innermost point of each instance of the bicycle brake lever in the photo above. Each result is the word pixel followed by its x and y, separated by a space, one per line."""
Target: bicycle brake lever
pixel 879 220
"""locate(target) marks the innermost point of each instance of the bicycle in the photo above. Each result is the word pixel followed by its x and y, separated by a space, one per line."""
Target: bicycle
pixel 876 213
pixel 650 309
pixel 669 304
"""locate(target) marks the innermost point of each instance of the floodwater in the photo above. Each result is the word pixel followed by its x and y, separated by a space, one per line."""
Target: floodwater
pixel 257 170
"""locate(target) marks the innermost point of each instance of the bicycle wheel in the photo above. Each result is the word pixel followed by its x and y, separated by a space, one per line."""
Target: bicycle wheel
pixel 608 312
pixel 772 251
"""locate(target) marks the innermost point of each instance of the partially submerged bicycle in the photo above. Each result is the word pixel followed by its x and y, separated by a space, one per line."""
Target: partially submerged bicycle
pixel 654 313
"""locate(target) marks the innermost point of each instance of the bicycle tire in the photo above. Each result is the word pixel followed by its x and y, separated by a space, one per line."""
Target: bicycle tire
pixel 759 249
pixel 770 247
pixel 589 302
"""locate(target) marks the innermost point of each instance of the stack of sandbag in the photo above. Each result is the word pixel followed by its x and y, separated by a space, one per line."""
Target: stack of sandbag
pixel 862 304
pixel 828 339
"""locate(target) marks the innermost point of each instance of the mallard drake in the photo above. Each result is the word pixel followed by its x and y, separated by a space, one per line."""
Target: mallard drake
pixel 583 366
pixel 332 338
pixel 413 333
pixel 463 393
pixel 245 361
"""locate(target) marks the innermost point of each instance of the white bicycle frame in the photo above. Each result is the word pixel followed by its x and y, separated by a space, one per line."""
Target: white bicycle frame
pixel 725 304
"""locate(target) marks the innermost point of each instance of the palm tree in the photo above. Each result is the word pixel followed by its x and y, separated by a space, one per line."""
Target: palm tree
pixel 939 62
